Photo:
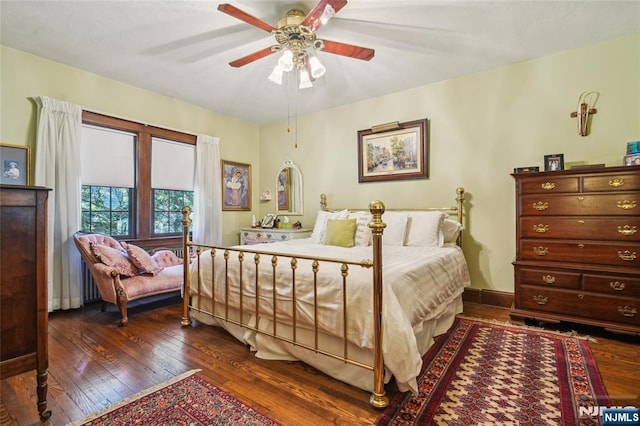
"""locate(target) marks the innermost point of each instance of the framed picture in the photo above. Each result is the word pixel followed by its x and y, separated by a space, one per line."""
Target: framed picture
pixel 632 160
pixel 283 189
pixel 396 154
pixel 633 148
pixel 269 220
pixel 553 162
pixel 236 186
pixel 15 161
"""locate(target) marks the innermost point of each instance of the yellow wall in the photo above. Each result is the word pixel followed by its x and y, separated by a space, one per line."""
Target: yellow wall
pixel 24 76
pixel 481 127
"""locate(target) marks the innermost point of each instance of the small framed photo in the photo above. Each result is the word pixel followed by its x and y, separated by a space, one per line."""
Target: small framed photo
pixel 633 148
pixel 553 162
pixel 236 186
pixel 632 160
pixel 269 220
pixel 15 161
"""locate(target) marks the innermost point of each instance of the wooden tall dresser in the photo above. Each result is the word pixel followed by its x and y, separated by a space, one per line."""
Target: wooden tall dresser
pixel 578 247
pixel 23 285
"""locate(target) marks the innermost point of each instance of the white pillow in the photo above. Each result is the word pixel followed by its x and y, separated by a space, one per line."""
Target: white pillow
pixel 424 229
pixel 320 227
pixel 363 232
pixel 450 230
pixel 394 233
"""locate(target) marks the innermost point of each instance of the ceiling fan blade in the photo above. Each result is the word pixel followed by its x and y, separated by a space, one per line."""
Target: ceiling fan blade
pixel 231 10
pixel 349 50
pixel 253 57
pixel 323 11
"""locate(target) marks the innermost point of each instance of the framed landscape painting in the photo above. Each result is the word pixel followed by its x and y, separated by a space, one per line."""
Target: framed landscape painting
pixel 396 154
pixel 236 186
pixel 15 161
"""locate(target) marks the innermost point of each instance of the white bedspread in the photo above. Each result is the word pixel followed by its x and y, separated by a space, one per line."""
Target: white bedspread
pixel 418 284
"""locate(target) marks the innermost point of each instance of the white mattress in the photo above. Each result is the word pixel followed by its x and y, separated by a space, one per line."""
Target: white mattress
pixel 420 286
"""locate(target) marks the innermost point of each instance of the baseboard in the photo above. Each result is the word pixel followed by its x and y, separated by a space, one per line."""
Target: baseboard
pixel 484 296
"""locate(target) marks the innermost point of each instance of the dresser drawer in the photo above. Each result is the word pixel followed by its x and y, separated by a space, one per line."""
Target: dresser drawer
pixel 612 182
pixel 548 278
pixel 623 203
pixel 580 304
pixel 615 254
pixel 612 284
pixel 547 185
pixel 616 228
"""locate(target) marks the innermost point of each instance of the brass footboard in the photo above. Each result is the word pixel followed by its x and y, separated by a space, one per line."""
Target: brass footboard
pixel 241 259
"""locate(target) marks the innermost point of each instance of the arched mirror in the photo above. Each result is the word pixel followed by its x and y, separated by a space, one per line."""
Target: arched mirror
pixel 289 190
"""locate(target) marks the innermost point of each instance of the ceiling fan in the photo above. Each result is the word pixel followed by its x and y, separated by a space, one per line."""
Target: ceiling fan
pixel 296 37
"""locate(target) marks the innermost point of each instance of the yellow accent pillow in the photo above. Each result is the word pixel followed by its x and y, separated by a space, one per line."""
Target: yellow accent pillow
pixel 340 232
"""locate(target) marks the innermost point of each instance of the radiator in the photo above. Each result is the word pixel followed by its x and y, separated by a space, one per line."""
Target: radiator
pixel 90 290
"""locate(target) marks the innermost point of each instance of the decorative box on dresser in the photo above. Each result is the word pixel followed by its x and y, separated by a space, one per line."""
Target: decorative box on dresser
pixel 578 247
pixel 23 286
pixel 269 235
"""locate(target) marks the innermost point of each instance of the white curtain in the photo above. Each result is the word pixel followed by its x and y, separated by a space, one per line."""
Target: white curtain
pixel 57 166
pixel 207 210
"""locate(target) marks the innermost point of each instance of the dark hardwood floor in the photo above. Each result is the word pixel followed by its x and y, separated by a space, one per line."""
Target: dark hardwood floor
pixel 94 363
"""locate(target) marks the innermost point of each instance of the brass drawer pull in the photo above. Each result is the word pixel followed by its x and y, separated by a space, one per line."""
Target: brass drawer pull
pixel 580 199
pixel 627 205
pixel 627 229
pixel 581 296
pixel 548 186
pixel 627 255
pixel 627 311
pixel 541 228
pixel 581 222
pixel 540 206
pixel 541 251
pixel 540 299
pixel 549 279
pixel 617 285
pixel 616 183
pixel 580 245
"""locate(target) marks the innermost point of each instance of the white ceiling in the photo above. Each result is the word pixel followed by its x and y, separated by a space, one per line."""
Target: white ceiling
pixel 182 48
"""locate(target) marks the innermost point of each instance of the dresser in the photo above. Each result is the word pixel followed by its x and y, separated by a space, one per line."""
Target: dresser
pixel 578 247
pixel 268 235
pixel 23 286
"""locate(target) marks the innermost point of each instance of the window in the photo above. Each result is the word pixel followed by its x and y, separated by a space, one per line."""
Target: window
pixel 106 210
pixel 135 178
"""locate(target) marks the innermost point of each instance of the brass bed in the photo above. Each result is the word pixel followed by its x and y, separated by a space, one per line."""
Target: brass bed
pixel 288 302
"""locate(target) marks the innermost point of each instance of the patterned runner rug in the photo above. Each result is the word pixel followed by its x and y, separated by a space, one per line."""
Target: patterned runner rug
pixel 480 373
pixel 185 400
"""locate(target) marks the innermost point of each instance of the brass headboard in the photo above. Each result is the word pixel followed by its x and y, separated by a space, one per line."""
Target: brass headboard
pixel 456 211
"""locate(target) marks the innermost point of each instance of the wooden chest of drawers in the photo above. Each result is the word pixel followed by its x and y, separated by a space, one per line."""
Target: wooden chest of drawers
pixel 268 235
pixel 578 247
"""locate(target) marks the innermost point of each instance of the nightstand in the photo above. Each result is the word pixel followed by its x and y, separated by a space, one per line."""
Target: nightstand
pixel 268 235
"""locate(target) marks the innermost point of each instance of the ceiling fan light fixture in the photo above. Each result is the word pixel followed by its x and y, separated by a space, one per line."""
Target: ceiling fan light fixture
pixel 317 69
pixel 286 60
pixel 276 74
pixel 305 81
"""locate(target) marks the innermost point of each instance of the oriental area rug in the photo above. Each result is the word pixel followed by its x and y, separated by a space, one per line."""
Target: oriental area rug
pixel 185 400
pixel 483 373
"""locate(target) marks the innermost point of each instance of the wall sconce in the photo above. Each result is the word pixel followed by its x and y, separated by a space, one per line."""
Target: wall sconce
pixel 586 107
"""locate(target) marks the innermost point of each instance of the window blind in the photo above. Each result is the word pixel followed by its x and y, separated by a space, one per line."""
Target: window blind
pixel 173 165
pixel 107 157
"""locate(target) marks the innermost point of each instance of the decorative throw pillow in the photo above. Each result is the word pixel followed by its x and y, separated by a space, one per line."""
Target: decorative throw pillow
pixel 450 230
pixel 320 227
pixel 394 233
pixel 340 232
pixel 424 229
pixel 166 258
pixel 143 260
pixel 114 258
pixel 363 232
